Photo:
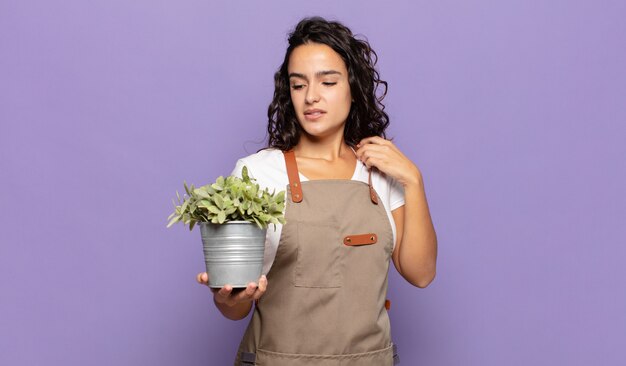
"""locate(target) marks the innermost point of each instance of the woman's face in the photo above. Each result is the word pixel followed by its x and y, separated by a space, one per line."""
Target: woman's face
pixel 320 92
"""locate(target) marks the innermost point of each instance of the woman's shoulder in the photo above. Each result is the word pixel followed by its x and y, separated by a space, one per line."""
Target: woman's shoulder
pixel 263 160
pixel 264 156
pixel 267 166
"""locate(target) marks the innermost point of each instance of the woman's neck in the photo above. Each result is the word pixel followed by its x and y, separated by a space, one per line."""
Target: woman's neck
pixel 327 149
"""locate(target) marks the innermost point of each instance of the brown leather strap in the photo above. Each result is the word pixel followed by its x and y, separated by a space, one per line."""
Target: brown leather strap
pixel 373 195
pixel 360 239
pixel 294 178
pixel 296 186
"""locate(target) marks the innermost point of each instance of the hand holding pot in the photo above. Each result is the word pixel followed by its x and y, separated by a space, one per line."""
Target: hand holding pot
pixel 225 295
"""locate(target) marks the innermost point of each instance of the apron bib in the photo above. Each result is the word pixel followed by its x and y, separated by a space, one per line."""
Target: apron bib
pixel 325 300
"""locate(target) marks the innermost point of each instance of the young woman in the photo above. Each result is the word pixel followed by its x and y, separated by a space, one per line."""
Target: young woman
pixel 354 202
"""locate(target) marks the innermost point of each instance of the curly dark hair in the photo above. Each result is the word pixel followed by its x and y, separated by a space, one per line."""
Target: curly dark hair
pixel 366 117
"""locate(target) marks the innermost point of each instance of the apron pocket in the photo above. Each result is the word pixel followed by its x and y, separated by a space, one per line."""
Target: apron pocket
pixel 319 256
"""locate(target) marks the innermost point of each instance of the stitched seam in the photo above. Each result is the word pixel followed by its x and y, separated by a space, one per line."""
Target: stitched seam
pixel 310 356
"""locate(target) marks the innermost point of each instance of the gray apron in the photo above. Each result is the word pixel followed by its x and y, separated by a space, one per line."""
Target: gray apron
pixel 325 301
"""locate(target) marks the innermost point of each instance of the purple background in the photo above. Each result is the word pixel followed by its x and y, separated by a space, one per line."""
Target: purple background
pixel 513 110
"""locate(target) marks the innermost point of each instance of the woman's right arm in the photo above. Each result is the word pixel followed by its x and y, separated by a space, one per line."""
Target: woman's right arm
pixel 235 306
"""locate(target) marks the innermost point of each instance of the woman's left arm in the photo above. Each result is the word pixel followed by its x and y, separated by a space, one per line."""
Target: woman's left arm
pixel 415 253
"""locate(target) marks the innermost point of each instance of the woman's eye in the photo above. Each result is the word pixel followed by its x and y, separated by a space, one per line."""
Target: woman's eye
pixel 329 83
pixel 297 87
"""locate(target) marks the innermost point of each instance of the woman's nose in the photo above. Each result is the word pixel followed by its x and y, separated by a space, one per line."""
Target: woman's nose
pixel 312 94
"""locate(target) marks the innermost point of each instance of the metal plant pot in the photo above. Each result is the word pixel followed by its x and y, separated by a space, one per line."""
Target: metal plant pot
pixel 233 252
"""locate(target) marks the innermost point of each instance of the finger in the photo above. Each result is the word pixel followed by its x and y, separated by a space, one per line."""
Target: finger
pixel 381 145
pixel 203 278
pixel 384 146
pixel 371 159
pixel 388 150
pixel 225 291
pixel 247 294
pixel 262 287
pixel 250 290
pixel 263 283
pixel 369 148
pixel 372 140
pixel 367 140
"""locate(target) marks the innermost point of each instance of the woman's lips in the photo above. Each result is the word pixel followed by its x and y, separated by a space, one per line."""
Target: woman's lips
pixel 314 115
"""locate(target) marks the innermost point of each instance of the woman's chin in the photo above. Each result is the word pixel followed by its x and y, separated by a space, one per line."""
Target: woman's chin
pixel 314 134
pixel 317 131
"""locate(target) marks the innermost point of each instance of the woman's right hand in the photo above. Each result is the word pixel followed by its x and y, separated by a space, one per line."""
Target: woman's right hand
pixel 226 296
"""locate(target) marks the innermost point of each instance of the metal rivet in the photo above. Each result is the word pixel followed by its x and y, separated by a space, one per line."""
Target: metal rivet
pixel 348 240
pixel 295 184
pixel 372 238
pixel 297 195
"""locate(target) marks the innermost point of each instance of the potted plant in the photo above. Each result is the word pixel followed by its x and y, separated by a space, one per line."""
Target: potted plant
pixel 233 214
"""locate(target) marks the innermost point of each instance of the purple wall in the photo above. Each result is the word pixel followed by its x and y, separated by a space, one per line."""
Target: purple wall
pixel 513 110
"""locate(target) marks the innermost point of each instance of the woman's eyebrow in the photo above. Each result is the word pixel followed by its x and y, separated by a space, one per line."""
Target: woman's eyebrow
pixel 317 74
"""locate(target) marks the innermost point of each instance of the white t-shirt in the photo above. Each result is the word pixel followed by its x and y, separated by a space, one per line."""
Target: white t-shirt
pixel 268 168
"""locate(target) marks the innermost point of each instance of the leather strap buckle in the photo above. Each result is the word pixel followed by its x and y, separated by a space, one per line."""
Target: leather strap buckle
pixel 294 179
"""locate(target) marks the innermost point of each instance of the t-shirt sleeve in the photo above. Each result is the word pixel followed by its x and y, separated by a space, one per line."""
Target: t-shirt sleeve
pixel 238 167
pixel 396 194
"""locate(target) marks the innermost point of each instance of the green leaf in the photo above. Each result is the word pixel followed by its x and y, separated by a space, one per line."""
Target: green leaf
pixel 221 217
pixel 219 201
pixel 184 206
pixel 227 202
pixel 204 203
pixel 213 209
pixel 173 221
pixel 200 192
pixel 209 189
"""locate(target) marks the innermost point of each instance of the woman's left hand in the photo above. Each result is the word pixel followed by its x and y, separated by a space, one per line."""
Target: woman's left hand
pixel 377 152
